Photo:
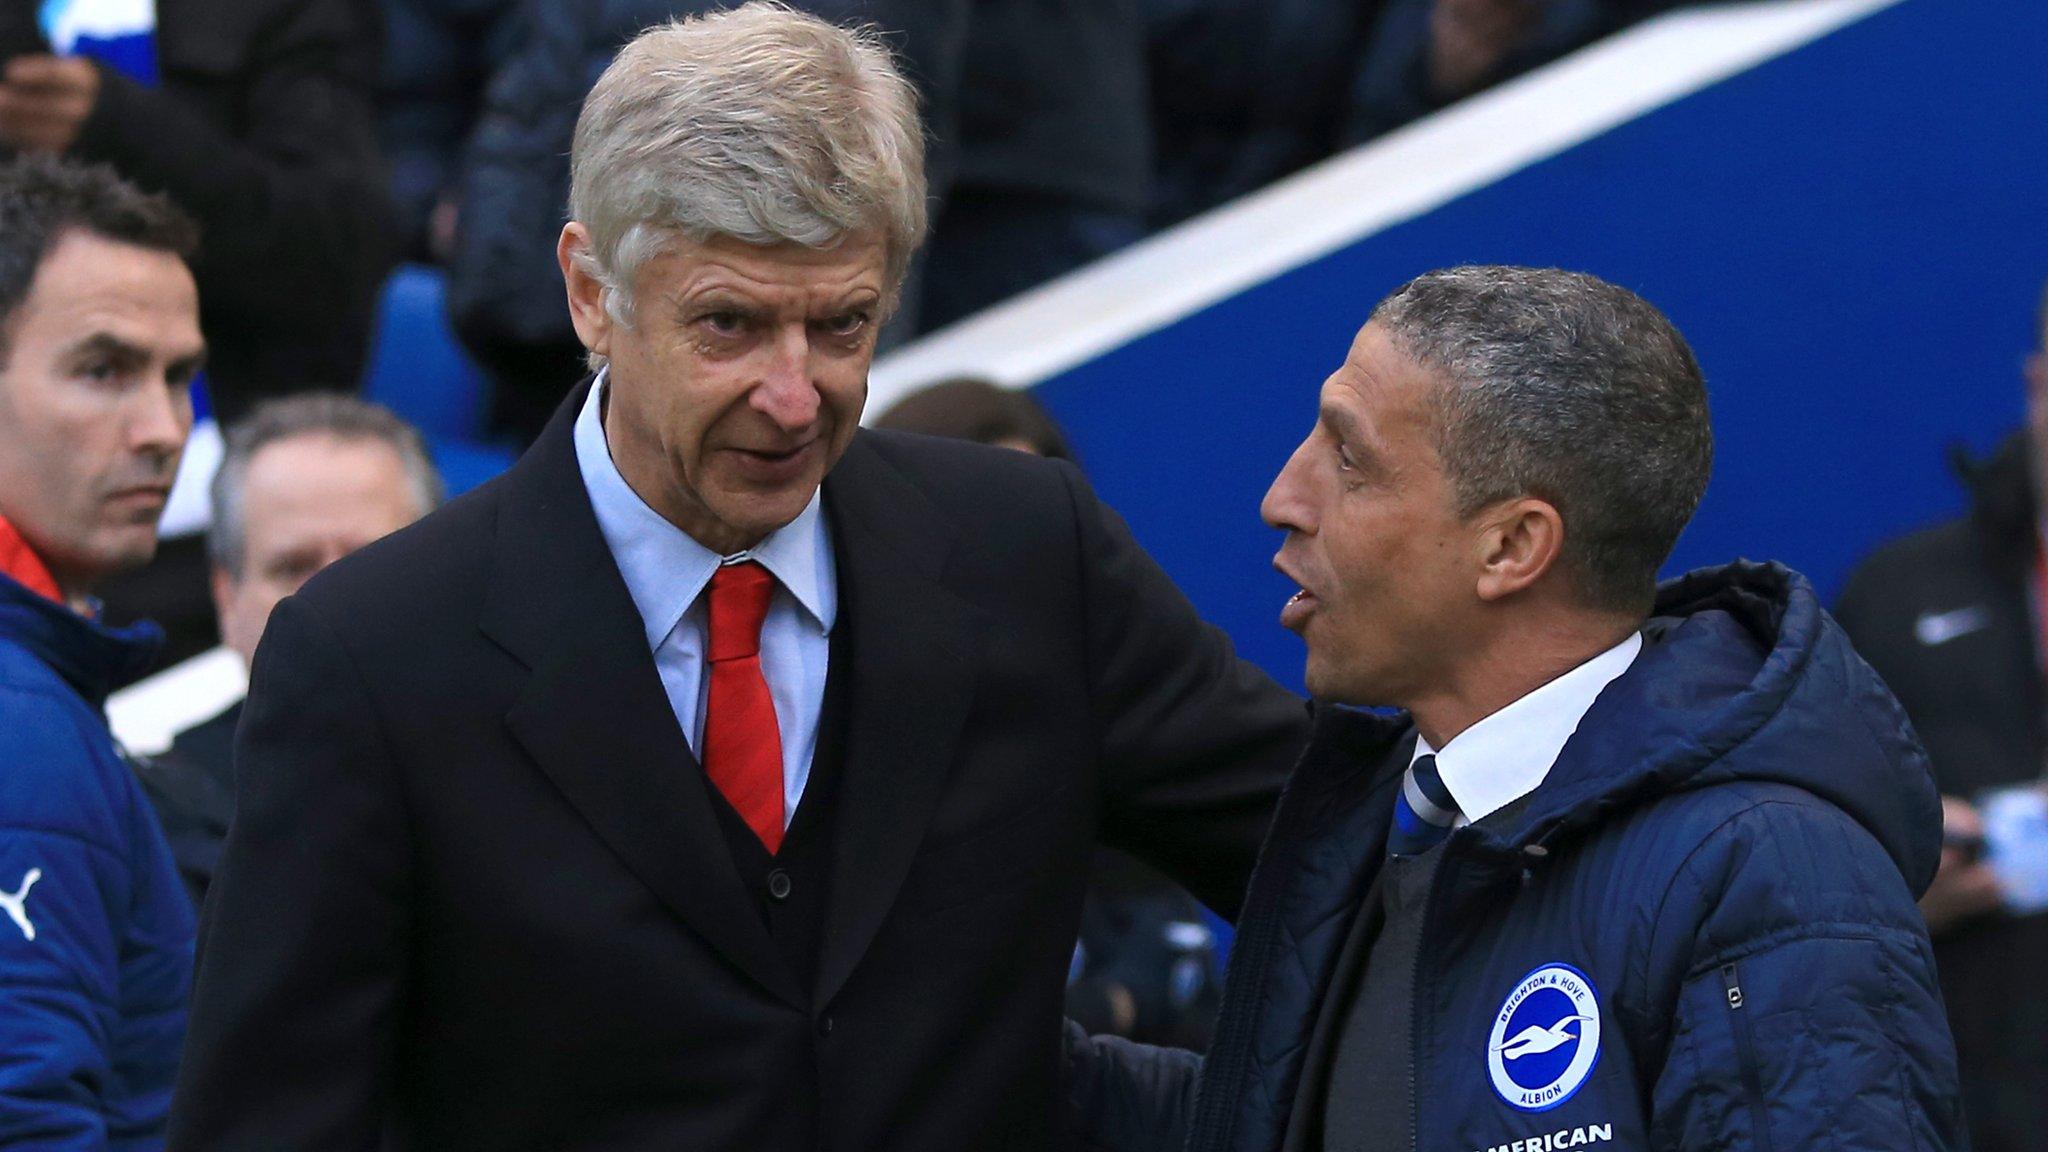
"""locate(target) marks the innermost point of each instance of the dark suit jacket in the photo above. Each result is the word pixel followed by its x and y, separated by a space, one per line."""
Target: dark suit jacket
pixel 192 788
pixel 476 883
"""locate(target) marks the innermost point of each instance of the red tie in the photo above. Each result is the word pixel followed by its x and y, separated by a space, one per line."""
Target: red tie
pixel 742 744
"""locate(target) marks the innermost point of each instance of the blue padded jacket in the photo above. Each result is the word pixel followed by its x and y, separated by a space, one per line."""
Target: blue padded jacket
pixel 1698 933
pixel 95 929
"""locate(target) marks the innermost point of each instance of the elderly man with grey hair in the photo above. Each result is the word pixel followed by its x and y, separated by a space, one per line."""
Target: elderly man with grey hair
pixel 304 481
pixel 724 776
pixel 1635 867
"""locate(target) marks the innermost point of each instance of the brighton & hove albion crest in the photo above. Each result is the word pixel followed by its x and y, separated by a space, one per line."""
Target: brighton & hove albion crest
pixel 1546 1038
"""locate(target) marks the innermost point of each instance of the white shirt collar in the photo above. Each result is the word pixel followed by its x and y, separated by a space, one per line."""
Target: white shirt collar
pixel 1505 756
pixel 665 569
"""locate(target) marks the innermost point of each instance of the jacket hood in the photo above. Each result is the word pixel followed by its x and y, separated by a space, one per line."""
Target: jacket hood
pixel 1742 678
pixel 91 657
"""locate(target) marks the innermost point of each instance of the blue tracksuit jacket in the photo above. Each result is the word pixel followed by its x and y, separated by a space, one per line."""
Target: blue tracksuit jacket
pixel 1700 933
pixel 95 928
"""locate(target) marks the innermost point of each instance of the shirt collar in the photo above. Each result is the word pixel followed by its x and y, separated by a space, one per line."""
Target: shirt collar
pixel 20 561
pixel 1505 756
pixel 665 569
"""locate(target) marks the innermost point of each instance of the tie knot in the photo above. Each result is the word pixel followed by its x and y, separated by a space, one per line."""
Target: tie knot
pixel 739 596
pixel 1427 794
pixel 1424 812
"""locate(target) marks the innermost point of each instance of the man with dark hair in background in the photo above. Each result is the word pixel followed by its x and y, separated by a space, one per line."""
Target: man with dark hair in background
pixel 1952 617
pixel 1635 868
pixel 99 343
pixel 305 480
pixel 255 116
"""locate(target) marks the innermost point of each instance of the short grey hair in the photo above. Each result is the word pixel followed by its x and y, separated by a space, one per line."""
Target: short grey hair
pixel 1561 386
pixel 329 414
pixel 757 123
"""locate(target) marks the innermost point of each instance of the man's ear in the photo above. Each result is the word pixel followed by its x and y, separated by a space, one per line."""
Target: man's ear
pixel 587 310
pixel 1520 540
pixel 2037 376
pixel 222 585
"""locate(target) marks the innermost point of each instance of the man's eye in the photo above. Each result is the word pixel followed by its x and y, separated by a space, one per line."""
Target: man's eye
pixel 846 324
pixel 725 323
pixel 1344 461
pixel 99 371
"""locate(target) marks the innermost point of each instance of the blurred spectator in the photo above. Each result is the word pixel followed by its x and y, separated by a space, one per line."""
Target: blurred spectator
pixel 99 343
pixel 255 116
pixel 1244 92
pixel 1425 54
pixel 1053 147
pixel 504 289
pixel 438 55
pixel 1953 618
pixel 1145 961
pixel 305 481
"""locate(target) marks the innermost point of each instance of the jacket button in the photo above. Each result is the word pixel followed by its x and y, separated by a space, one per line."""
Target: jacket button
pixel 824 1025
pixel 778 885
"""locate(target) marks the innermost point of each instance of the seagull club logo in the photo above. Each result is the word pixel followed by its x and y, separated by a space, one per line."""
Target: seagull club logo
pixel 1546 1038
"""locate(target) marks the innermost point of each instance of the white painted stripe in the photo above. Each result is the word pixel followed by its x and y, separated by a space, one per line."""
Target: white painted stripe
pixel 189 509
pixel 145 716
pixel 1393 179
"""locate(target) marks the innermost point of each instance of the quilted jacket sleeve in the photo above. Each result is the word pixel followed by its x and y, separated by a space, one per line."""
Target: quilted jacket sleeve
pixel 63 890
pixel 1809 1017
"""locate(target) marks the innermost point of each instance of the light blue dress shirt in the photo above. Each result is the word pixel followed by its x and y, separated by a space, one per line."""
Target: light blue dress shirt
pixel 667 572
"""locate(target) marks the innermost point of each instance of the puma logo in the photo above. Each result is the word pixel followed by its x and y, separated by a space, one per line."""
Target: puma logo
pixel 17 904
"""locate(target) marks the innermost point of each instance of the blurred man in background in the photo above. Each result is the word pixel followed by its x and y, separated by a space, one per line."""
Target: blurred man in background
pixel 305 481
pixel 255 116
pixel 1953 618
pixel 438 57
pixel 99 344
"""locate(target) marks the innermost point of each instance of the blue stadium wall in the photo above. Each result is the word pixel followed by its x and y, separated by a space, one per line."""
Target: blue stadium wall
pixel 1854 236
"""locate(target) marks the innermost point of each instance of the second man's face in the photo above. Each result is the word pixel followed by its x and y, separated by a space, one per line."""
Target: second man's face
pixel 95 403
pixel 740 381
pixel 1374 539
pixel 307 501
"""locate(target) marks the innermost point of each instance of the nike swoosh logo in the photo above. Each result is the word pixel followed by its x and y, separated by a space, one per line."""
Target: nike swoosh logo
pixel 1937 628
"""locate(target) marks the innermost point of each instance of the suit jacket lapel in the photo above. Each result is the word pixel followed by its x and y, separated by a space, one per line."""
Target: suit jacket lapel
pixel 594 715
pixel 913 672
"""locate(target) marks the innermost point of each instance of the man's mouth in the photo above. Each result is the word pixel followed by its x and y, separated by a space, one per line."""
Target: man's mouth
pixel 141 496
pixel 1299 607
pixel 772 465
pixel 1295 613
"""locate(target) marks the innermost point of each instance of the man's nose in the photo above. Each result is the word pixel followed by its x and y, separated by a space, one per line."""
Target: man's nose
pixel 160 418
pixel 787 394
pixel 1286 505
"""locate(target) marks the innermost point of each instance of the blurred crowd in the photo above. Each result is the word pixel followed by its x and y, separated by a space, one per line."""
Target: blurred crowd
pixel 317 144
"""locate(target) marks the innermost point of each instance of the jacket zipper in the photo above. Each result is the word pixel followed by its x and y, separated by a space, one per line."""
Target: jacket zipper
pixel 1745 1047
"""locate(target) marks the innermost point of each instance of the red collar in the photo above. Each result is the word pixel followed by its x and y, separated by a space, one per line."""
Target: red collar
pixel 20 562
